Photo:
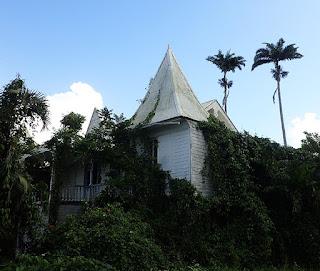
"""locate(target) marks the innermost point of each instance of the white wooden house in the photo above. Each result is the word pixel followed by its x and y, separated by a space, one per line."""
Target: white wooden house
pixel 169 113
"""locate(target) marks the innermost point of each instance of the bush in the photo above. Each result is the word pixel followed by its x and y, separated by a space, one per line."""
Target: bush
pixel 109 235
pixel 182 227
pixel 57 263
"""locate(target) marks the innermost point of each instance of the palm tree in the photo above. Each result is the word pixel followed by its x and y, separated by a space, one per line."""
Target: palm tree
pixel 19 108
pixel 226 63
pixel 274 53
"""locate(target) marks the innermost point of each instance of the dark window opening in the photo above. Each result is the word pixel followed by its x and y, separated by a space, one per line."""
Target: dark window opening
pixel 154 151
pixel 96 174
pixel 87 175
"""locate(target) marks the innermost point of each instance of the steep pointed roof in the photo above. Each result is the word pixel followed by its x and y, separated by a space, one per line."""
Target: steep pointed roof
pixel 94 121
pixel 169 96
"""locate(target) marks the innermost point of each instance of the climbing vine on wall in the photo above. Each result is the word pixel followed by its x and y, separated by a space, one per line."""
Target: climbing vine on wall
pixel 152 112
pixel 266 196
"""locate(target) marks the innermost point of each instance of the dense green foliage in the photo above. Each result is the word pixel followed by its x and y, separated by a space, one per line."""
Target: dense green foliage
pixel 107 234
pixel 20 109
pixel 56 263
pixel 273 190
pixel 264 209
pixel 78 263
pixel 134 179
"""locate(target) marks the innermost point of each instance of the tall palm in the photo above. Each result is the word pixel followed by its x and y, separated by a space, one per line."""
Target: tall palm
pixel 274 53
pixel 226 63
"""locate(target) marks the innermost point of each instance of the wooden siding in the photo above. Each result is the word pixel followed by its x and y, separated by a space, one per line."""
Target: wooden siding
pixel 174 149
pixel 198 155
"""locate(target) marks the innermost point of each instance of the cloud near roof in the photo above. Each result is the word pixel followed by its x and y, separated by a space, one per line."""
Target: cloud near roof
pixel 82 98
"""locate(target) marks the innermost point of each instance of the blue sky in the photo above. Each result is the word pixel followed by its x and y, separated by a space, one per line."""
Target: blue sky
pixel 115 47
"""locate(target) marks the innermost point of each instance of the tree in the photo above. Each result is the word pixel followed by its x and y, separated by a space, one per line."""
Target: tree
pixel 73 121
pixel 63 146
pixel 274 53
pixel 226 63
pixel 20 108
pixel 311 144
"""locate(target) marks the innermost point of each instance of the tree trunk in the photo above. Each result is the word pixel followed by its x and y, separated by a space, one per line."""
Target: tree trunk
pixel 281 115
pixel 225 92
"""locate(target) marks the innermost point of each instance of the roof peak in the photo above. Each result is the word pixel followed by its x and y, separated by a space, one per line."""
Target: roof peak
pixel 169 56
pixel 169 96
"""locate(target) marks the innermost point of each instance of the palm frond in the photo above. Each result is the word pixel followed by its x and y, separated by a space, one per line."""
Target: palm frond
pixel 290 52
pixel 280 43
pixel 270 46
pixel 36 106
pixel 225 83
pixel 275 53
pixel 278 73
pixel 262 53
pixel 284 74
pixel 222 83
pixel 227 62
pixel 260 61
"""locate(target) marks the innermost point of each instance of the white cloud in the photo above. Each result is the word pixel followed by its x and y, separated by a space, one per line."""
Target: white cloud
pixel 81 98
pixel 310 122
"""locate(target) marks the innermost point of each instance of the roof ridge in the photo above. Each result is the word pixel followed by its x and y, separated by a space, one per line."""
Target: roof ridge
pixel 186 81
pixel 153 81
pixel 159 92
pixel 175 94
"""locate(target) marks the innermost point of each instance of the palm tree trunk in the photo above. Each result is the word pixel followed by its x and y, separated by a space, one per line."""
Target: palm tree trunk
pixel 281 115
pixel 225 92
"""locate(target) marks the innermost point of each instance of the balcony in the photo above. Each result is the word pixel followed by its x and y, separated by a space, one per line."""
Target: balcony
pixel 80 193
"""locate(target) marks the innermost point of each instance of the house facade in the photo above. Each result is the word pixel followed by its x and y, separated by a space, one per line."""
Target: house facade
pixel 169 113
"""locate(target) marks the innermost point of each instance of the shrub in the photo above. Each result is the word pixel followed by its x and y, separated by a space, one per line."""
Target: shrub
pixel 182 228
pixel 110 235
pixel 57 263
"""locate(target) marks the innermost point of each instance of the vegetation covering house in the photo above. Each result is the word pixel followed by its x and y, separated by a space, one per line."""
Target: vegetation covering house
pixel 168 114
pixel 264 211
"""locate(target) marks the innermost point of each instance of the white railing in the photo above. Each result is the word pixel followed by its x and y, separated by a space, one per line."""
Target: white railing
pixel 81 193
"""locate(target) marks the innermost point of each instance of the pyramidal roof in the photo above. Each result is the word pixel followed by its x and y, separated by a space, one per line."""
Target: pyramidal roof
pixel 94 121
pixel 169 96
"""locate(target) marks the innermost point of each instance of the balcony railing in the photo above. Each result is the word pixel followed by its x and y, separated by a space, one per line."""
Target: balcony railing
pixel 81 193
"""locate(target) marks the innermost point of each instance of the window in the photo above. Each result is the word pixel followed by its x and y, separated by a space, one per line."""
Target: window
pixel 154 150
pixel 92 174
pixel 87 174
pixel 96 174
